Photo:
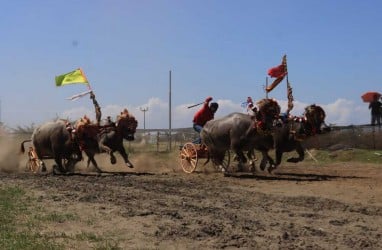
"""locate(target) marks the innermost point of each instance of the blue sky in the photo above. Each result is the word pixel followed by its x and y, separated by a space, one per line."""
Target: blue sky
pixel 219 48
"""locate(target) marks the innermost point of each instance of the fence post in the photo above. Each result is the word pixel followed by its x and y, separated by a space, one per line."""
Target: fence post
pixel 157 141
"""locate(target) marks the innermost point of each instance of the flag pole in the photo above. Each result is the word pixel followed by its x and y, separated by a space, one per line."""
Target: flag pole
pixel 169 114
pixel 97 108
pixel 289 90
pixel 266 86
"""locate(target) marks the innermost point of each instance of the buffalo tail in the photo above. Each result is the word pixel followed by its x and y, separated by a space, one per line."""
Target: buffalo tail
pixel 22 148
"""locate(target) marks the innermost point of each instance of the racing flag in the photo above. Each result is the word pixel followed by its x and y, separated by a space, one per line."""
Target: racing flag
pixel 278 72
pixel 76 76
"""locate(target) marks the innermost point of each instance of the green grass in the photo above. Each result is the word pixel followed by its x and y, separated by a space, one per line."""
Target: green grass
pixel 57 217
pixel 17 230
pixel 350 155
pixel 21 218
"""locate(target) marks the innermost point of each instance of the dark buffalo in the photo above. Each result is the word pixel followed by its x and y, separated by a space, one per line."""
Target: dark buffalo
pixel 237 132
pixel 53 140
pixel 290 134
pixel 240 132
pixel 108 138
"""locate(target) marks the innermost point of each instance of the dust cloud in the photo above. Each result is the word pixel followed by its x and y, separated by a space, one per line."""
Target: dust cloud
pixel 13 161
pixel 148 163
pixel 11 158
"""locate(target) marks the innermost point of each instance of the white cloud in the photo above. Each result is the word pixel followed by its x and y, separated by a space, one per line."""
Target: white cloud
pixel 340 112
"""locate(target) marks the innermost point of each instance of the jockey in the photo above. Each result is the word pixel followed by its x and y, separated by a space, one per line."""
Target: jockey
pixel 125 114
pixel 203 115
pixel 84 121
pixel 109 122
pixel 251 108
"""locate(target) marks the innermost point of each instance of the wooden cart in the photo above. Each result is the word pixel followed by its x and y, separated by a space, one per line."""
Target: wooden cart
pixel 190 153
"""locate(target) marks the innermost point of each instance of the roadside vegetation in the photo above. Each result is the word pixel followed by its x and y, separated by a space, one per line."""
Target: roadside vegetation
pixel 22 219
pixel 18 227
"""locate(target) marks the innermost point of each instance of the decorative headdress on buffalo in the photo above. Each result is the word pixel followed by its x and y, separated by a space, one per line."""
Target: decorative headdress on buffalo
pixel 269 107
pixel 268 112
pixel 315 117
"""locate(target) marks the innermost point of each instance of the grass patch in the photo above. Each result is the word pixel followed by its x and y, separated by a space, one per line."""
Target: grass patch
pixel 349 155
pixel 16 228
pixel 107 245
pixel 100 241
pixel 21 220
pixel 58 218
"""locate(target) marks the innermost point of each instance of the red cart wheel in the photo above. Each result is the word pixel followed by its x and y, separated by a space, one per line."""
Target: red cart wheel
pixel 33 163
pixel 188 157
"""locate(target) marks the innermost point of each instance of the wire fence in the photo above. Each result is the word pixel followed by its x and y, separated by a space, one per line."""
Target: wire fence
pixel 159 140
pixel 362 137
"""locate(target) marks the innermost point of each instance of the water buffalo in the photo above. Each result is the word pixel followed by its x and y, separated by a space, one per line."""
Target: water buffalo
pixel 108 138
pixel 237 132
pixel 291 132
pixel 53 140
pixel 240 132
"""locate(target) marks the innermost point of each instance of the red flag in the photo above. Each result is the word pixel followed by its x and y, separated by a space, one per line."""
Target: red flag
pixel 279 72
pixel 274 84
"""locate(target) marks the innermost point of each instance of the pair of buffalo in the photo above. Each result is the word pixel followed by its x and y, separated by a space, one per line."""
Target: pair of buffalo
pixel 57 140
pixel 244 133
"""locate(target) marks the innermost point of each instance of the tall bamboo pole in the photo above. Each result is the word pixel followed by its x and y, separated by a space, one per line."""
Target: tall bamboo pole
pixel 169 113
pixel 97 108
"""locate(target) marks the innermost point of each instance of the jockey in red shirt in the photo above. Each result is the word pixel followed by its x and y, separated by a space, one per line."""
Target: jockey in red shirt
pixel 205 114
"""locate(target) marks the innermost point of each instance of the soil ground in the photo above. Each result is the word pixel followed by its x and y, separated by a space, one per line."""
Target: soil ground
pixel 157 206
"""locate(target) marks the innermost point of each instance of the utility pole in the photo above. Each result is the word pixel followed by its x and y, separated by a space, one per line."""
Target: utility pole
pixel 169 111
pixel 144 110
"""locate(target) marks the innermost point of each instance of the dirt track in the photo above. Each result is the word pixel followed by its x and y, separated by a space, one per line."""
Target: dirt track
pixel 298 207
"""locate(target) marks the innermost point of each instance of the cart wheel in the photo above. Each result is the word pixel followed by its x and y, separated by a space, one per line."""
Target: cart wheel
pixel 33 164
pixel 188 157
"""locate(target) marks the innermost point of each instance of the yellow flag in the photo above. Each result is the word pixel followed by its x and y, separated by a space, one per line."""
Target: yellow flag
pixel 76 76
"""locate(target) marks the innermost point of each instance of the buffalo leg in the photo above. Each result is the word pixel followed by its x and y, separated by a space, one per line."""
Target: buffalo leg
pixel 252 158
pixel 109 151
pixel 273 166
pixel 301 154
pixel 43 167
pixel 242 159
pixel 58 160
pixel 267 159
pixel 264 160
pixel 125 157
pixel 279 155
pixel 91 159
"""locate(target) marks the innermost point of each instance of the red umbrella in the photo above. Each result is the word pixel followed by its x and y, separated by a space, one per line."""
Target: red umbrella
pixel 369 96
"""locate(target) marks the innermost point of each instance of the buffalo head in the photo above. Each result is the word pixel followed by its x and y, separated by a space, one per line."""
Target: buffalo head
pixel 127 126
